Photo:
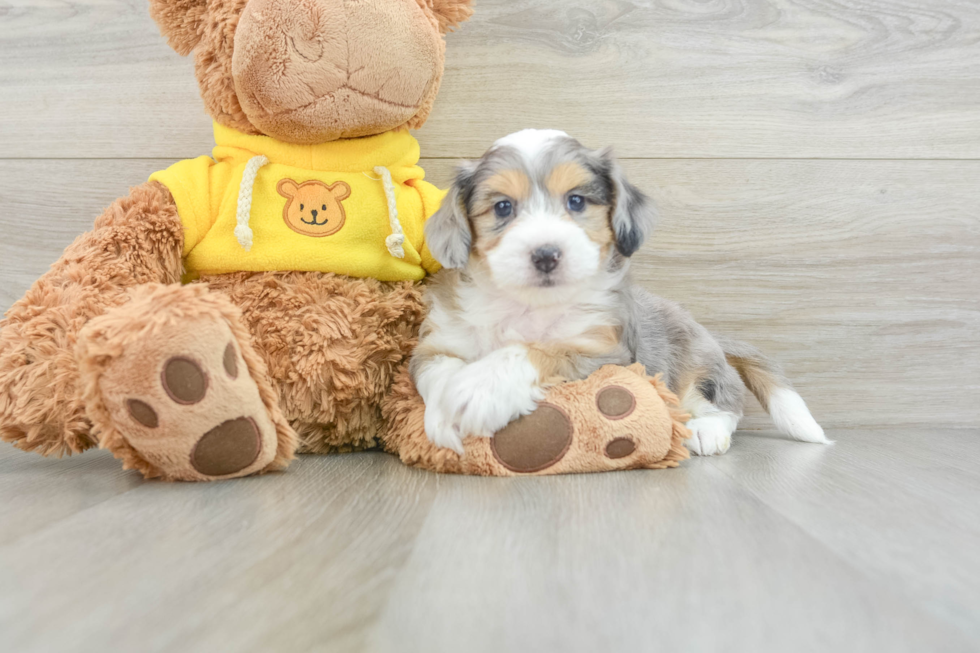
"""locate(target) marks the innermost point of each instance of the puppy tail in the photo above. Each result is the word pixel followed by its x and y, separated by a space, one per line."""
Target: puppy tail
pixel 774 391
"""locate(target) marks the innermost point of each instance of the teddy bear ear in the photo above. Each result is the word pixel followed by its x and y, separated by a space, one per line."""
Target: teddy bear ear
pixel 287 188
pixel 340 190
pixel 180 21
pixel 450 13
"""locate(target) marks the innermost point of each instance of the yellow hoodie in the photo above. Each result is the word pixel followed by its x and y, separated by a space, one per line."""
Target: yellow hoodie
pixel 355 207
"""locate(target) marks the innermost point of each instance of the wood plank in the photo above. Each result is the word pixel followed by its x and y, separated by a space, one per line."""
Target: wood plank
pixel 901 505
pixel 357 552
pixel 678 560
pixel 859 276
pixel 35 227
pixel 37 492
pixel 288 561
pixel 758 78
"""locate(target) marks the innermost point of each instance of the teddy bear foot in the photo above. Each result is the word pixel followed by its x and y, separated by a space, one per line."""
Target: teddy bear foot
pixel 172 388
pixel 618 418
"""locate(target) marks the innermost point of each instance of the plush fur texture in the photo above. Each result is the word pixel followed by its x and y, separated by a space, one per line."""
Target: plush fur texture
pixel 180 21
pixel 332 346
pixel 377 77
pixel 655 428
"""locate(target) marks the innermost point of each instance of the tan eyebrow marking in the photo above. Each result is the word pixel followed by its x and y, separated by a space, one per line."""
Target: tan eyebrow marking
pixel 512 183
pixel 566 177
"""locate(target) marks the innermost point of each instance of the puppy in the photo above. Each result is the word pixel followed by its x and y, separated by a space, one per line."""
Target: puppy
pixel 535 239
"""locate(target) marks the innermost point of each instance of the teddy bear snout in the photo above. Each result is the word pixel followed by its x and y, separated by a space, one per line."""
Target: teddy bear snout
pixel 309 71
pixel 310 50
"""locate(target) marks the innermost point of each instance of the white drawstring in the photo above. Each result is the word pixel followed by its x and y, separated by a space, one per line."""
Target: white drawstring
pixel 242 231
pixel 395 241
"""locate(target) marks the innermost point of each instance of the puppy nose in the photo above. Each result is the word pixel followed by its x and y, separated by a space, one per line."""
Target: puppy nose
pixel 546 258
pixel 313 211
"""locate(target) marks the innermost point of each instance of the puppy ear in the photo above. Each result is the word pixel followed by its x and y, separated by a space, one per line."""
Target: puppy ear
pixel 447 232
pixel 181 22
pixel 633 214
pixel 450 13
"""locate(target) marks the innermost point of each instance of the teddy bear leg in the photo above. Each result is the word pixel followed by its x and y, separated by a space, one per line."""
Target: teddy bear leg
pixel 618 418
pixel 332 345
pixel 137 240
pixel 175 389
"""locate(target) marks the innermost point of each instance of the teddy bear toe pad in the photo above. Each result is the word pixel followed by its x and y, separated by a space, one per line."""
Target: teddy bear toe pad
pixel 615 402
pixel 620 448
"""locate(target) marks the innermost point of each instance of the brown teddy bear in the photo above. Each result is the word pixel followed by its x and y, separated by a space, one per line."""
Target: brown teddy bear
pixel 303 234
pixel 239 308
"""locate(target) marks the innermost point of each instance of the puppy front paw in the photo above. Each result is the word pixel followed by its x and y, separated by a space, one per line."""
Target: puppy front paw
pixel 494 391
pixel 435 385
pixel 439 428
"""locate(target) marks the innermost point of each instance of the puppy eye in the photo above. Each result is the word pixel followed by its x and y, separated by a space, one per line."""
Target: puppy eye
pixel 323 208
pixel 503 208
pixel 575 203
pixel 300 207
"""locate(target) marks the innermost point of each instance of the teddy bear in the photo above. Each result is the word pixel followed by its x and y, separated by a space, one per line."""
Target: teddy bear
pixel 241 307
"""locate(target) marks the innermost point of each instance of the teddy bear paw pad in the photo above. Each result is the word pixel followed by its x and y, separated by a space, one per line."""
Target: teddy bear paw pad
pixel 229 447
pixel 620 448
pixel 534 442
pixel 188 406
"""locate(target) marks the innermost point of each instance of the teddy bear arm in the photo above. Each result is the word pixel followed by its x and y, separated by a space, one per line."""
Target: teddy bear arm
pixel 137 240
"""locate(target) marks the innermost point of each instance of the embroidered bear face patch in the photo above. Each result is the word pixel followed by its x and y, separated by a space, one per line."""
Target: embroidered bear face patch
pixel 314 208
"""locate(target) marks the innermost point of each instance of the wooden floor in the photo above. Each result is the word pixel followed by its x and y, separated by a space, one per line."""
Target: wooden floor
pixel 868 545
pixel 817 169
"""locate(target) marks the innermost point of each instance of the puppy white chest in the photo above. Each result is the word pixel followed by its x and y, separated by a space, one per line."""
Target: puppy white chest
pixel 517 323
pixel 477 321
pixel 532 326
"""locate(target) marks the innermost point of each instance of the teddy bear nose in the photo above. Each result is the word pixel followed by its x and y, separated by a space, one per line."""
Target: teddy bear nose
pixel 313 211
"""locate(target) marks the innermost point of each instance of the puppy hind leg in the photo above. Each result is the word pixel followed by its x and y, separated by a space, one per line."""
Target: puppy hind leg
pixel 715 404
pixel 711 434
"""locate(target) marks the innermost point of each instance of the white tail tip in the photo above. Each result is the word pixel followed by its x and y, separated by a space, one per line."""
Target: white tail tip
pixel 791 416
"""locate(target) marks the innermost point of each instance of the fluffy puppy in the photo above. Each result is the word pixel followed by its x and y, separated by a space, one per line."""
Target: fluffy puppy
pixel 536 239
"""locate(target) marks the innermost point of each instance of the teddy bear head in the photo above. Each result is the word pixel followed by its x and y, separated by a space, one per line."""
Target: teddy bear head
pixel 312 71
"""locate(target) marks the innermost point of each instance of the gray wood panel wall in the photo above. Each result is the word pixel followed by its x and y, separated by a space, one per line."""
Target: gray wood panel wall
pixel 816 164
